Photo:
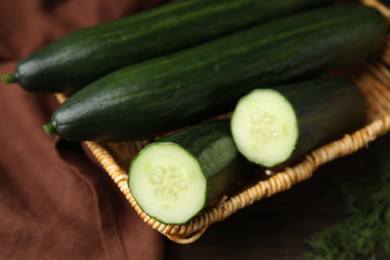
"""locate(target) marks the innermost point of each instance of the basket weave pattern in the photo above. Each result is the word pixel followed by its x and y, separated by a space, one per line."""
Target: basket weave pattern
pixel 372 77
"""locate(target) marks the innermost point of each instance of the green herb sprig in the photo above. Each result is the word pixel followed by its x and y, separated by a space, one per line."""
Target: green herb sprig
pixel 366 227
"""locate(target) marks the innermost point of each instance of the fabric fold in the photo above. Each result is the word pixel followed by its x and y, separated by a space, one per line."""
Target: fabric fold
pixel 55 202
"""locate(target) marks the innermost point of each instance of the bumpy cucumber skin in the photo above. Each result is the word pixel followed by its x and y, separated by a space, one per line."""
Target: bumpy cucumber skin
pixel 212 145
pixel 163 94
pixel 85 55
pixel 326 109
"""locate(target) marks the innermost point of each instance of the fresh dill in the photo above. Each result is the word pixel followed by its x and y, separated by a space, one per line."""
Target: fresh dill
pixel 365 230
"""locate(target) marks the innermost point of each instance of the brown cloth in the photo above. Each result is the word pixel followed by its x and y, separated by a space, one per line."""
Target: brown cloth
pixel 55 203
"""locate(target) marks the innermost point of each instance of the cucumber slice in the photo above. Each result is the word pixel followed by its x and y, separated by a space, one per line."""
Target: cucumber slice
pixel 272 126
pixel 175 178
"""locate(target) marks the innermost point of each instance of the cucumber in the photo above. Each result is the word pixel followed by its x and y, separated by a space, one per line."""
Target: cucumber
pixel 275 125
pixel 176 177
pixel 170 92
pixel 85 55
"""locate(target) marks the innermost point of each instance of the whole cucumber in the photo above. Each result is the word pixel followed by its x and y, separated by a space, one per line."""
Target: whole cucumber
pixel 85 55
pixel 176 177
pixel 189 86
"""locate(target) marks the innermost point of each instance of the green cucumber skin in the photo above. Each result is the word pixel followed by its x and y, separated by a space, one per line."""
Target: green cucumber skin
pixel 163 94
pixel 326 109
pixel 83 56
pixel 213 147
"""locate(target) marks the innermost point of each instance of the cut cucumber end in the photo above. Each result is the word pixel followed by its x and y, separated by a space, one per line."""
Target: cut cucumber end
pixel 9 78
pixel 49 128
pixel 264 127
pixel 168 183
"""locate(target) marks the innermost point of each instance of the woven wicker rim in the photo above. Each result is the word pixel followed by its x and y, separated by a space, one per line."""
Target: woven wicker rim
pixel 372 83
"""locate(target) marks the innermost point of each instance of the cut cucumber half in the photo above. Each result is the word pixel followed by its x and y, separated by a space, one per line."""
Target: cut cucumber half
pixel 272 126
pixel 175 178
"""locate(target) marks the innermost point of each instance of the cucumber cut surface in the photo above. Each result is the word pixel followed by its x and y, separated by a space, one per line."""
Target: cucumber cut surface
pixel 168 183
pixel 265 127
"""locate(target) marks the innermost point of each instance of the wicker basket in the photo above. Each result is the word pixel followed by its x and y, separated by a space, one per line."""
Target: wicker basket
pixel 372 76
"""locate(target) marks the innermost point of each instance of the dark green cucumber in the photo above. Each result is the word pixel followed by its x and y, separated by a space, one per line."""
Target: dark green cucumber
pixel 272 126
pixel 163 94
pixel 86 55
pixel 175 178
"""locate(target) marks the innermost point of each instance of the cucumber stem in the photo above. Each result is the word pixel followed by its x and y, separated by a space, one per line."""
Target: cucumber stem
pixel 9 78
pixel 49 128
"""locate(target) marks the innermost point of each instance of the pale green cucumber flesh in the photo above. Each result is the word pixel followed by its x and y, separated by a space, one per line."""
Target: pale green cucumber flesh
pixel 168 183
pixel 264 127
